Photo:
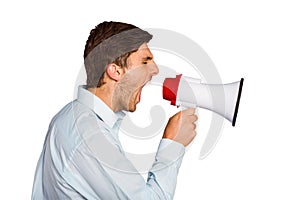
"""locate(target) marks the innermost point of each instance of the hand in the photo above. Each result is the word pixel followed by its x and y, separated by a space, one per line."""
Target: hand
pixel 181 127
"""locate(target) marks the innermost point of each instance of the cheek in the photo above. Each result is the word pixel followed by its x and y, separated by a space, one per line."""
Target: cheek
pixel 129 83
pixel 136 77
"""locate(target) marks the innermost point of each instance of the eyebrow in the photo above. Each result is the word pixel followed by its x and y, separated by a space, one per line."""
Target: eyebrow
pixel 148 58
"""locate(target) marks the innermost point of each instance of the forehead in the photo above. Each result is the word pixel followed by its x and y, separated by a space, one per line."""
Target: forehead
pixel 143 51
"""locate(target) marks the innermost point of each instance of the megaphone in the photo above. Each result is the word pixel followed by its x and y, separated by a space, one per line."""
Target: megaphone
pixel 222 99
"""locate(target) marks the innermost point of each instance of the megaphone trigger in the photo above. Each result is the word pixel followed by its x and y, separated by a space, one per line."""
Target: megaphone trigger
pixel 185 105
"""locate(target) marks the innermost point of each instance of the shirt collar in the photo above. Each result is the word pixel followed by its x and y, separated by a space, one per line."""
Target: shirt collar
pixel 98 106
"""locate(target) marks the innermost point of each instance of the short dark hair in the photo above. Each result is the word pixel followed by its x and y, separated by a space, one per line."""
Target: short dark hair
pixel 110 42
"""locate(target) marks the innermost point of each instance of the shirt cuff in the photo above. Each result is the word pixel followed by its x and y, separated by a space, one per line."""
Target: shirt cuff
pixel 169 151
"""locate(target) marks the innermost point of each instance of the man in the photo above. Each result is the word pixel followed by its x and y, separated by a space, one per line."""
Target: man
pixel 82 157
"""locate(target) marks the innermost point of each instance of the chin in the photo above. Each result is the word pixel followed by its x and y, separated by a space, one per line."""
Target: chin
pixel 132 108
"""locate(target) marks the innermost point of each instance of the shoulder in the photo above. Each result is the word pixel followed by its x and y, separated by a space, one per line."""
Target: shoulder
pixel 77 120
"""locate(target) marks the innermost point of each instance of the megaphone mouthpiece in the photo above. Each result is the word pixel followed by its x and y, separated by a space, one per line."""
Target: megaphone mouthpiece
pixel 170 88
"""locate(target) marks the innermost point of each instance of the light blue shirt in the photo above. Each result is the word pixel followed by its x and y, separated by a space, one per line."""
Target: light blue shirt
pixel 82 158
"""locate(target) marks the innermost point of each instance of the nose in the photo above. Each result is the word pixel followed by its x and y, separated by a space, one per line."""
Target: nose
pixel 155 69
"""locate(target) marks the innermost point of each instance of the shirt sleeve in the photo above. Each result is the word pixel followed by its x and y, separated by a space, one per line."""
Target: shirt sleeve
pixel 164 171
pixel 99 170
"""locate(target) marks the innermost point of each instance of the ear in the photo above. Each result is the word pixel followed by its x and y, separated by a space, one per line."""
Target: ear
pixel 114 71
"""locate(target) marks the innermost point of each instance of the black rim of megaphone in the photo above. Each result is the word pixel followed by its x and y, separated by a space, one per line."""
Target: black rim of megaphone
pixel 238 102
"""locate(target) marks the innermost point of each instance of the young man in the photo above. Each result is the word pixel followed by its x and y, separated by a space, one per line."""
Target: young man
pixel 82 157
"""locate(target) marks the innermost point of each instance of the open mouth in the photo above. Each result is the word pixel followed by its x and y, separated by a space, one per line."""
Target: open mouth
pixel 139 93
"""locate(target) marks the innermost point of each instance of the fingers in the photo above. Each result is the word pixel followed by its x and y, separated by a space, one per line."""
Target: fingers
pixel 182 127
pixel 189 111
pixel 194 118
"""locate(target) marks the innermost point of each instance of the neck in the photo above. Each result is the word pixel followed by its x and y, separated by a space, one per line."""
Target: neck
pixel 105 94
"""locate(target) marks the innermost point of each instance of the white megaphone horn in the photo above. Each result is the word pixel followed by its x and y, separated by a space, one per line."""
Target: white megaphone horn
pixel 190 92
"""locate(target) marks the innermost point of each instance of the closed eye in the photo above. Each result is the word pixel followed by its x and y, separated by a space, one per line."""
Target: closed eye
pixel 145 60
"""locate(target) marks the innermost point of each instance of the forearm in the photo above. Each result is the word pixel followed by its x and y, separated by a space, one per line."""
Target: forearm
pixel 162 176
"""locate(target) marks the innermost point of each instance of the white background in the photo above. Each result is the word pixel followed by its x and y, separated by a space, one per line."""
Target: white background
pixel 41 48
